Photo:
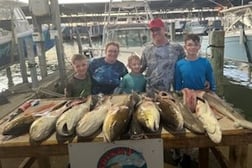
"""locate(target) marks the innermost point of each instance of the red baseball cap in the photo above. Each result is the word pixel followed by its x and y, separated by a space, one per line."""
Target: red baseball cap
pixel 156 23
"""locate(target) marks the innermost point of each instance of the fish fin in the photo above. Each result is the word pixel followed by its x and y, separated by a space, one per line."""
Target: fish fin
pixel 200 99
pixel 245 124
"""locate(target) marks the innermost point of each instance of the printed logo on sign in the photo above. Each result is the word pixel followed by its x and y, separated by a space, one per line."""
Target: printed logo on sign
pixel 122 157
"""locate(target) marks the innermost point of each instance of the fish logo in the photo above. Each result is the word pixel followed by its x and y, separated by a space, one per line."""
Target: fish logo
pixel 123 157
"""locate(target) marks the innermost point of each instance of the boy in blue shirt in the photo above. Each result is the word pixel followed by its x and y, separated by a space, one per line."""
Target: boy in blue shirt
pixel 193 71
pixel 133 81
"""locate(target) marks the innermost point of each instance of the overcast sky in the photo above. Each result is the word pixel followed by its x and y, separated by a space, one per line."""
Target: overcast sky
pixel 76 1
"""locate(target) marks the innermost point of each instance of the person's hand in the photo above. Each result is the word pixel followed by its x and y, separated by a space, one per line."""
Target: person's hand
pixel 207 86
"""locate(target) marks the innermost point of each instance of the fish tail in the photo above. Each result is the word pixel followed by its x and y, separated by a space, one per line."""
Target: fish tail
pixel 245 124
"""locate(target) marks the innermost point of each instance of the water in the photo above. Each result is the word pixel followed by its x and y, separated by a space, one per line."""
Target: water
pixel 237 91
pixel 70 48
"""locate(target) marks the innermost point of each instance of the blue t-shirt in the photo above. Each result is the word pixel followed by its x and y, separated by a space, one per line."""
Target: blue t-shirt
pixel 193 74
pixel 106 77
pixel 132 82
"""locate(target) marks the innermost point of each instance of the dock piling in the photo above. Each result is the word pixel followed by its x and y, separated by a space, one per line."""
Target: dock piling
pixel 216 41
pixel 21 54
pixel 31 63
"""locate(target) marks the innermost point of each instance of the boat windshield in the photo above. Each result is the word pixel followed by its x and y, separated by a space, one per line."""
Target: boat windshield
pixel 130 37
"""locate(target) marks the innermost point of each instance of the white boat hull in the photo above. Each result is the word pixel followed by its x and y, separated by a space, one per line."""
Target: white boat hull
pixel 234 47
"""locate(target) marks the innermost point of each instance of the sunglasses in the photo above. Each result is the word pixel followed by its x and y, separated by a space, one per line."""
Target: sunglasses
pixel 155 29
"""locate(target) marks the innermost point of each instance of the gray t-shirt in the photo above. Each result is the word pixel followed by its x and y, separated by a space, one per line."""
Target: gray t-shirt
pixel 158 62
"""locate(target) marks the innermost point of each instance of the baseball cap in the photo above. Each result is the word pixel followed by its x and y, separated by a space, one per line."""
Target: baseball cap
pixel 156 23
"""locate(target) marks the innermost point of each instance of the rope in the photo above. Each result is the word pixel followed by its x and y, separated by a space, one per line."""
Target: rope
pixel 214 46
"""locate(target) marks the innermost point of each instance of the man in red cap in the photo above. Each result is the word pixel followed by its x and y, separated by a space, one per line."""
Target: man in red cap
pixel 159 58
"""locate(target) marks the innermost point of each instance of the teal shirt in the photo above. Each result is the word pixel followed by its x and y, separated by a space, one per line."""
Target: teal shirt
pixel 132 82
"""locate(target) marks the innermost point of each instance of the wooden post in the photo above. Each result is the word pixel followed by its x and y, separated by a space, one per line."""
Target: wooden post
pixel 37 27
pixel 22 60
pixel 203 157
pixel 79 41
pixel 172 31
pixel 9 76
pixel 44 162
pixel 217 49
pixel 41 53
pixel 59 41
pixel 13 53
pixel 249 71
pixel 31 63
pixel 238 156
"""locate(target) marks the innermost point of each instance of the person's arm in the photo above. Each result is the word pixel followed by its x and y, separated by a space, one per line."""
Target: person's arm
pixel 120 88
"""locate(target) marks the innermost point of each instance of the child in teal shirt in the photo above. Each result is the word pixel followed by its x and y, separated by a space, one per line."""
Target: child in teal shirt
pixel 133 81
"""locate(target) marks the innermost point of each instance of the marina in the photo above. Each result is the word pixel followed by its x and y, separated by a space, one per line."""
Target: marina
pixel 22 33
pixel 94 30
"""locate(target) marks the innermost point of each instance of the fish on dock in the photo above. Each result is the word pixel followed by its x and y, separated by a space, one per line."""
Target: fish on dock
pixel 21 123
pixel 170 112
pixel 118 117
pixel 93 120
pixel 21 109
pixel 148 114
pixel 189 98
pixel 115 122
pixel 208 119
pixel 191 122
pixel 66 123
pixel 44 126
pixel 222 107
pixel 135 130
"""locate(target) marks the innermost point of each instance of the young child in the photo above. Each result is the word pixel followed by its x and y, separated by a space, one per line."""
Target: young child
pixel 133 81
pixel 193 71
pixel 80 84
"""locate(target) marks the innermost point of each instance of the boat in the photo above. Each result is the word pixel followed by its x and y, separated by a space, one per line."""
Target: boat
pixel 238 32
pixel 96 31
pixel 15 30
pixel 237 24
pixel 126 22
pixel 195 27
pixel 15 26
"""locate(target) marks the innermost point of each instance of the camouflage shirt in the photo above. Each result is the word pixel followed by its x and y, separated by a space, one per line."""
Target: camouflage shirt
pixel 158 62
